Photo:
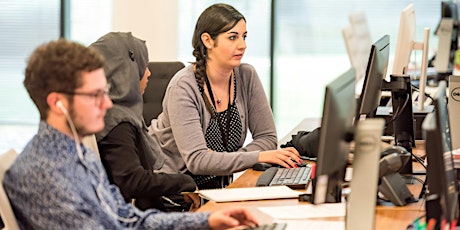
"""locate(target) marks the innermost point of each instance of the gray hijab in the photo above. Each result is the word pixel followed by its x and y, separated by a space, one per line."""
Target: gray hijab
pixel 125 62
pixel 126 59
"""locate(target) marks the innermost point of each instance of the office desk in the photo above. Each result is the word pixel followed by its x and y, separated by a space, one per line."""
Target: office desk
pixel 387 215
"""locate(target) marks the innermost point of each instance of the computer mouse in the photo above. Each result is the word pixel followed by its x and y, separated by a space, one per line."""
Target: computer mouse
pixel 303 164
pixel 401 151
pixel 261 166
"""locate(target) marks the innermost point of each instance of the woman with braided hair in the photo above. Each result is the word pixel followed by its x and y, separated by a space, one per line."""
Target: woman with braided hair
pixel 212 104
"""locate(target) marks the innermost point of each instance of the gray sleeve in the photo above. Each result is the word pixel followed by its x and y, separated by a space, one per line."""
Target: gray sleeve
pixel 259 115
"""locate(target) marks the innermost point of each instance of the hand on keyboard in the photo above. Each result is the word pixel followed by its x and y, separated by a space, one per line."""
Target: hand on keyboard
pixel 281 156
pixel 303 164
pixel 262 166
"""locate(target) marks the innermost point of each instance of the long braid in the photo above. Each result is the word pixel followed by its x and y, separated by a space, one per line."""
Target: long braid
pixel 200 76
pixel 200 66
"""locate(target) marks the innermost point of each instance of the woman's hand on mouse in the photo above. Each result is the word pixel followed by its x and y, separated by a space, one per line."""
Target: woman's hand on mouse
pixel 286 157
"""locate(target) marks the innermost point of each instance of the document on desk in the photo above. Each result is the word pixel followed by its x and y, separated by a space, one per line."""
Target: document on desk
pixel 305 211
pixel 252 193
pixel 313 224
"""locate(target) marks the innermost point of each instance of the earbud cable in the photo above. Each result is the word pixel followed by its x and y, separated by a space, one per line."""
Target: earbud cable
pixel 101 175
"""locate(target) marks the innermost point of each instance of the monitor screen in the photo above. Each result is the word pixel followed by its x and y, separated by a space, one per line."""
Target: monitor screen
pixel 405 41
pixel 336 127
pixel 449 10
pixel 377 65
pixel 440 170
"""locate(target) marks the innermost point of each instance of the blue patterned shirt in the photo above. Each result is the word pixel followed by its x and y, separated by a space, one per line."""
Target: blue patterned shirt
pixel 50 187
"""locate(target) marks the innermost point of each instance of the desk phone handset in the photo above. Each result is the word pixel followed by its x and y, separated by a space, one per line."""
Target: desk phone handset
pixel 391 184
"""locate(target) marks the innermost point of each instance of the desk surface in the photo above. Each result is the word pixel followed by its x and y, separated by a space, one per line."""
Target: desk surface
pixel 387 215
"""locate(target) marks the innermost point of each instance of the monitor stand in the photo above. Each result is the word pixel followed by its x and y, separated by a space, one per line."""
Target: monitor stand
pixel 332 187
pixel 403 117
pixel 423 46
pixel 362 199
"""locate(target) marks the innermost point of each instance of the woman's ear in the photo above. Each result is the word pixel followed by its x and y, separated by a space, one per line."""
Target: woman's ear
pixel 207 40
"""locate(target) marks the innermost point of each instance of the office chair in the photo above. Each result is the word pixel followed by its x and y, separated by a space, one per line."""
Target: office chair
pixel 6 212
pixel 162 72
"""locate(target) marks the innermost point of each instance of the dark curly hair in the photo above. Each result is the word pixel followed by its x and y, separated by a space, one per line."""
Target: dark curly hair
pixel 214 20
pixel 57 66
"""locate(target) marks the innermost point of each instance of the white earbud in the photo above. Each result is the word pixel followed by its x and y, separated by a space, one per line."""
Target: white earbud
pixel 61 107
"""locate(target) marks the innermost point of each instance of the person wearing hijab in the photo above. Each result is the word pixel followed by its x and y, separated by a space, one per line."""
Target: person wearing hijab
pixel 129 154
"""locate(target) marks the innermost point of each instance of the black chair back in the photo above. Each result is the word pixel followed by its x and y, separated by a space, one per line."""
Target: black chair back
pixel 162 72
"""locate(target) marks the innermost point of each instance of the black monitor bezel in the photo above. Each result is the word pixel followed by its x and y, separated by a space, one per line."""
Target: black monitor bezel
pixel 376 71
pixel 336 125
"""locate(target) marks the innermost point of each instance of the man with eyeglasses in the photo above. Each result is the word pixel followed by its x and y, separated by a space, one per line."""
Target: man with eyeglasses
pixel 98 96
pixel 56 182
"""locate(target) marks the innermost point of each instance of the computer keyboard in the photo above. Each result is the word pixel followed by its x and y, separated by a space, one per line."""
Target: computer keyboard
pixel 272 226
pixel 295 178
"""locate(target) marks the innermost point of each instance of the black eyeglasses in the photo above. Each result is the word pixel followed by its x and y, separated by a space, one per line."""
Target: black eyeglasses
pixel 99 95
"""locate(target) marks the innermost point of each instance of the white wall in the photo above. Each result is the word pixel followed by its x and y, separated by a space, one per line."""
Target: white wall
pixel 152 20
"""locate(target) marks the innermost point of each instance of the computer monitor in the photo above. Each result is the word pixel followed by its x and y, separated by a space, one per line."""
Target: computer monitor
pixel 357 40
pixel 400 83
pixel 405 40
pixel 447 33
pixel 405 44
pixel 336 127
pixel 449 9
pixel 442 195
pixel 377 65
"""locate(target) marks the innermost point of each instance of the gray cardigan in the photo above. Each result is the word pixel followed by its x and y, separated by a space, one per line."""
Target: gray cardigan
pixel 181 126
